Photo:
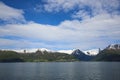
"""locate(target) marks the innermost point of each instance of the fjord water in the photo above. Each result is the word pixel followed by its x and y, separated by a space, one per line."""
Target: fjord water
pixel 60 71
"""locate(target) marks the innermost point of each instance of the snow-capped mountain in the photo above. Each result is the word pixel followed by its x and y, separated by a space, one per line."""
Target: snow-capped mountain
pixel 81 55
pixel 42 49
pixel 66 51
pixel 78 52
pixel 113 46
pixel 91 52
pixel 31 50
pixel 88 52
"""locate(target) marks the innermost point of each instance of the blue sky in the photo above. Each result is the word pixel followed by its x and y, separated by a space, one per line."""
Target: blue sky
pixel 33 12
pixel 59 24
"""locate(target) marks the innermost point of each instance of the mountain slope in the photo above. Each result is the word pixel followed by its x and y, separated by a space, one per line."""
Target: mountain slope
pixel 113 47
pixel 110 53
pixel 92 52
pixel 81 55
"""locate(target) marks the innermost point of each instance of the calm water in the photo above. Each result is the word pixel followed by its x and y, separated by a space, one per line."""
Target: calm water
pixel 60 71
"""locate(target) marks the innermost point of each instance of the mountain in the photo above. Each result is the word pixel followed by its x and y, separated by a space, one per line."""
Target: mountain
pixel 110 53
pixel 113 47
pixel 81 55
pixel 92 52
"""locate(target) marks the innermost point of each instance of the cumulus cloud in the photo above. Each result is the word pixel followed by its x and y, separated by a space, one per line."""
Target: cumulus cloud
pixel 10 14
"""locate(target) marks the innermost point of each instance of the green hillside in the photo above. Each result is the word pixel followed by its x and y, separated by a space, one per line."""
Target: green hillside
pixel 108 55
pixel 39 56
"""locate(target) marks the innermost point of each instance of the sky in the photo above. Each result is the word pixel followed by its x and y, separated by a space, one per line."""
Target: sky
pixel 59 24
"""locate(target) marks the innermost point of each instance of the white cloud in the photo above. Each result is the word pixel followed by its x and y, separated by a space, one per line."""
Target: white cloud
pixel 58 5
pixel 38 8
pixel 10 14
pixel 81 14
pixel 95 7
pixel 96 32
pixel 22 44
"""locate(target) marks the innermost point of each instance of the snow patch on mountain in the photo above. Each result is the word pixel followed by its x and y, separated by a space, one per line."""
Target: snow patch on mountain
pixel 66 51
pixel 31 50
pixel 91 52
pixel 113 46
pixel 41 49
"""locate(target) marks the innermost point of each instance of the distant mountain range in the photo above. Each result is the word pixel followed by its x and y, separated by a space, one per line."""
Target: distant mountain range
pixel 110 53
pixel 87 52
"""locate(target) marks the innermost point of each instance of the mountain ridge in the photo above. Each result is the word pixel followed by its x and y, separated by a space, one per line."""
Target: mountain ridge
pixel 110 53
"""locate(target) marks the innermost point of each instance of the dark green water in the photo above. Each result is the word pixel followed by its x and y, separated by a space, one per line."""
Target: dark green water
pixel 60 71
